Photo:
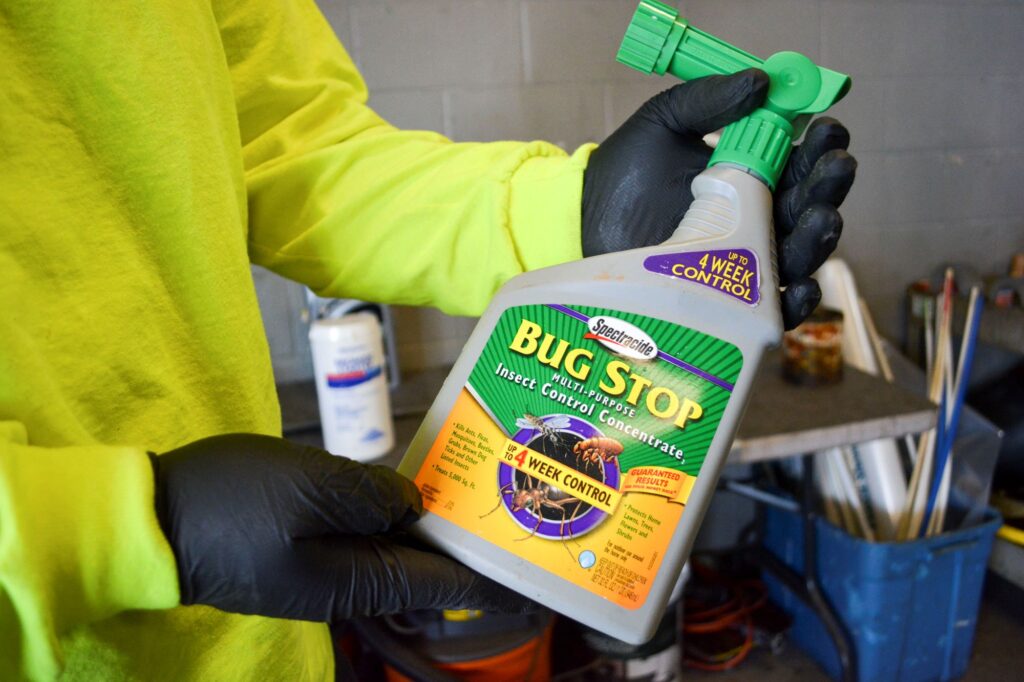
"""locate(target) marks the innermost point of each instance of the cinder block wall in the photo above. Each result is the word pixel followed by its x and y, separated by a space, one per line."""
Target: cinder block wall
pixel 936 114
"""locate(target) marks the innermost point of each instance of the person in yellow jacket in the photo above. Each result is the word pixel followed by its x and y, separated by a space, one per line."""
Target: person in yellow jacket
pixel 153 525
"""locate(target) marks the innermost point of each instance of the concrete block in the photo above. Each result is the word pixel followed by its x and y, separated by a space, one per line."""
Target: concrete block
pixel 917 187
pixel 883 39
pixel 1009 238
pixel 987 184
pixel 975 111
pixel 916 108
pixel 985 39
pixel 339 16
pixel 922 36
pixel 864 204
pixel 926 38
pixel 859 247
pixel 852 42
pixel 987 244
pixel 887 313
pixel 275 298
pixel 281 303
pixel 428 338
pixel 865 114
pixel 1009 182
pixel 905 253
pixel 761 28
pixel 880 277
pixel 973 242
pixel 574 40
pixel 410 109
pixel 932 112
pixel 438 42
pixel 923 247
pixel 917 250
pixel 1008 96
pixel 623 98
pixel 567 115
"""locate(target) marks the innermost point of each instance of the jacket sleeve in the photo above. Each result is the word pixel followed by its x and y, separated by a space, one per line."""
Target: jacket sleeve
pixel 79 542
pixel 342 201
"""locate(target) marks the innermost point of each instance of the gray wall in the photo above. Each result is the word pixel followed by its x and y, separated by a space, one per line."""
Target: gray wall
pixel 936 114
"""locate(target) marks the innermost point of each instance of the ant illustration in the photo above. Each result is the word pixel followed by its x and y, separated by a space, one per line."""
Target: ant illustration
pixel 533 498
pixel 595 450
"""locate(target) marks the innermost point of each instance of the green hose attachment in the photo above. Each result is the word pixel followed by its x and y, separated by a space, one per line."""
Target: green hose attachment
pixel 659 41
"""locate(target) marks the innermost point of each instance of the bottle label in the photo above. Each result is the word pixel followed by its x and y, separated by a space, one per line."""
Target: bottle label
pixel 577 439
pixel 733 272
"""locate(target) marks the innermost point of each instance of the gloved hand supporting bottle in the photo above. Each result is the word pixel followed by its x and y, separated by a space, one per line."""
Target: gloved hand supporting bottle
pixel 636 186
pixel 263 526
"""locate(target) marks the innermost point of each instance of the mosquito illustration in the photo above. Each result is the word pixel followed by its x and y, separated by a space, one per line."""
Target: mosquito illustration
pixel 547 426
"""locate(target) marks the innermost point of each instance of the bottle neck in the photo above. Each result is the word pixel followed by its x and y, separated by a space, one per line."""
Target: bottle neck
pixel 723 196
pixel 759 143
pixel 745 169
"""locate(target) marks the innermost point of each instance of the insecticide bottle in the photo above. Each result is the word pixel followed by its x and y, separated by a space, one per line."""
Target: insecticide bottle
pixel 576 443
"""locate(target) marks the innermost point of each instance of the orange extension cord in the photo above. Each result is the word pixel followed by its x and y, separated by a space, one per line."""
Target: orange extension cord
pixel 734 614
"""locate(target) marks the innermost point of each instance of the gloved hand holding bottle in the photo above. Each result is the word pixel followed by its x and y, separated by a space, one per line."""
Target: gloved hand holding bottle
pixel 260 525
pixel 637 183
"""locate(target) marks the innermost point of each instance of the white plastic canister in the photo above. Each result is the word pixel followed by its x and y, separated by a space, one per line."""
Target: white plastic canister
pixel 351 386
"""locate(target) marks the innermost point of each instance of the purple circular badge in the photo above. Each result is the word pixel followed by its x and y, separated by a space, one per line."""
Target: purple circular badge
pixel 549 521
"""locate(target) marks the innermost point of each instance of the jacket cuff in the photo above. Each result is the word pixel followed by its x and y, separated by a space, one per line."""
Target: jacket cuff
pixel 546 197
pixel 79 541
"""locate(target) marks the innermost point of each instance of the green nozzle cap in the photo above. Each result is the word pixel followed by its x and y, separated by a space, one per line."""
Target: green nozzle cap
pixel 659 41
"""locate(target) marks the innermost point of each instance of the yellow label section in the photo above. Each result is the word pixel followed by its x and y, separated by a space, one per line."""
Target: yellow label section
pixel 617 559
pixel 561 476
pixel 675 485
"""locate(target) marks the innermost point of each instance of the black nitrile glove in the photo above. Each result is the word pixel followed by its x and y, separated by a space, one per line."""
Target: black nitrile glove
pixel 263 526
pixel 637 184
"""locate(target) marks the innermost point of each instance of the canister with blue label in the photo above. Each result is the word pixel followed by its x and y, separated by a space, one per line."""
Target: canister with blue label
pixel 351 386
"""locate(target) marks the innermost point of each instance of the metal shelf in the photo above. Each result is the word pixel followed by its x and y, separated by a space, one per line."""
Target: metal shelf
pixel 784 420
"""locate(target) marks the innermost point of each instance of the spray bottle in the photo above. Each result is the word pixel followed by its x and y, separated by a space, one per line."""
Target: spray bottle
pixel 576 444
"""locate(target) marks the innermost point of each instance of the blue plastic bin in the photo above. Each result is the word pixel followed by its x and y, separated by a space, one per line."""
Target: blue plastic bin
pixel 911 607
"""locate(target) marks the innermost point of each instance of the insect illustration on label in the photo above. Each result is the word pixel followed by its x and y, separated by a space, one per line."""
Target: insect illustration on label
pixel 547 426
pixel 598 449
pixel 533 498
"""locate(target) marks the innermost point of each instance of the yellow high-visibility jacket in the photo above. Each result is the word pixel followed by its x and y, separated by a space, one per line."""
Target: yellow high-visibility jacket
pixel 149 151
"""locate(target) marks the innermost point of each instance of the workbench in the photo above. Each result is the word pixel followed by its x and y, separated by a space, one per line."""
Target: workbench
pixel 786 420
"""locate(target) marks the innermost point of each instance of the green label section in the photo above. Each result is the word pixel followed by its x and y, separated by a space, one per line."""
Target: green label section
pixel 658 388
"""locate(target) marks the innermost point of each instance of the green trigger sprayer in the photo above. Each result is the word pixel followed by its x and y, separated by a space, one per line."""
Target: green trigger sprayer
pixel 575 446
pixel 659 41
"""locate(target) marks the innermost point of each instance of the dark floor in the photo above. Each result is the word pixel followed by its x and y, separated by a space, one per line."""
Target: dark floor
pixel 998 651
